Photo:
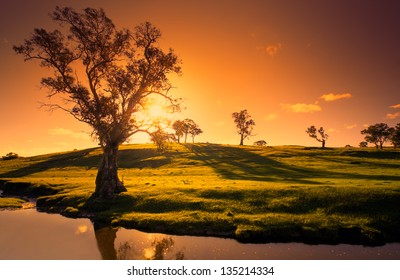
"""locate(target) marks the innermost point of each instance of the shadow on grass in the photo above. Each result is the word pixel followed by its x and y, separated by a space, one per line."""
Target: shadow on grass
pixel 241 164
pixel 88 159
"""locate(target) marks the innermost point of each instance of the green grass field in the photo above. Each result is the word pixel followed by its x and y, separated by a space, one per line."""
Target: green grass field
pixel 253 194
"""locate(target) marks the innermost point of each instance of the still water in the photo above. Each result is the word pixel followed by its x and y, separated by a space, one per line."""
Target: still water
pixel 28 234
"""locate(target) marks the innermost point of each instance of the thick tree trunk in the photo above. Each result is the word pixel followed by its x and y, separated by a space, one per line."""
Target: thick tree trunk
pixel 241 139
pixel 323 144
pixel 107 181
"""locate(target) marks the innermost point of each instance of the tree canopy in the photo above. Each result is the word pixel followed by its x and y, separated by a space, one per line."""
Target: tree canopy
pixel 320 137
pixel 244 124
pixel 102 76
pixel 377 134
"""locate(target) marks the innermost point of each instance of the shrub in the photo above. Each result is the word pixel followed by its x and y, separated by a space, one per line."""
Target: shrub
pixel 10 155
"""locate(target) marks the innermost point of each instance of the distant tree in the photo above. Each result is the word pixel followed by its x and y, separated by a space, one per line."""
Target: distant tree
pixel 363 144
pixel 179 128
pixel 195 130
pixel 102 76
pixel 395 136
pixel 187 124
pixel 244 124
pixel 10 155
pixel 320 137
pixel 377 134
pixel 260 143
pixel 161 138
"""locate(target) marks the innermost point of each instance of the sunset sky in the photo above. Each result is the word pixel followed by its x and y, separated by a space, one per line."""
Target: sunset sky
pixel 291 64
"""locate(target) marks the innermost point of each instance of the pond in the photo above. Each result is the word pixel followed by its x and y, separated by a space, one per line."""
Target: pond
pixel 28 234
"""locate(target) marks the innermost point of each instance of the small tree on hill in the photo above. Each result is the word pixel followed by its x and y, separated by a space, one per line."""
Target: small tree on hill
pixel 363 144
pixel 10 155
pixel 187 124
pixel 261 143
pixel 195 130
pixel 161 139
pixel 244 124
pixel 179 128
pixel 395 136
pixel 320 137
pixel 377 134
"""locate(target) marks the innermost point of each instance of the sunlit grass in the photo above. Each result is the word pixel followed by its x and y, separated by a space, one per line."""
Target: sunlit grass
pixel 252 193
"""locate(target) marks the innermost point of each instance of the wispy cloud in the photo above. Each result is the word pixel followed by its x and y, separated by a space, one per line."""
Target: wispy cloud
pixel 273 49
pixel 301 108
pixel 397 106
pixel 68 132
pixel 271 117
pixel 335 96
pixel 350 126
pixel 393 116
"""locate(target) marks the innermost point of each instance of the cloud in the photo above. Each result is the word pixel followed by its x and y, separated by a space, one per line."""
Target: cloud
pixel 301 108
pixel 273 49
pixel 68 132
pixel 333 97
pixel 271 117
pixel 397 106
pixel 393 116
pixel 350 126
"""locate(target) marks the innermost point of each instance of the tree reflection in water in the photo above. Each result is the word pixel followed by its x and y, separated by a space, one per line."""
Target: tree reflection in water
pixel 159 249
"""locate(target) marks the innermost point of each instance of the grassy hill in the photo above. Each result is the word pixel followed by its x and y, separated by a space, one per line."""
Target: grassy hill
pixel 254 194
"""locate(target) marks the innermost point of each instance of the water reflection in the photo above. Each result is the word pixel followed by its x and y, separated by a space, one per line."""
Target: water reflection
pixel 105 237
pixel 28 234
pixel 129 249
pixel 159 250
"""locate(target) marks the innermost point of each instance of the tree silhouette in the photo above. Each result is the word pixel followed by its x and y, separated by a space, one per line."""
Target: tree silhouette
pixel 377 134
pixel 195 130
pixel 161 138
pixel 103 77
pixel 395 136
pixel 179 128
pixel 312 132
pixel 244 124
pixel 187 124
pixel 363 144
pixel 260 143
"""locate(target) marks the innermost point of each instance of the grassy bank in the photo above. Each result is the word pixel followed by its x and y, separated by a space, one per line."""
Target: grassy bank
pixel 254 194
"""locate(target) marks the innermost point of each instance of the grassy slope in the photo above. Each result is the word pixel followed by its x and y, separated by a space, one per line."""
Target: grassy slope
pixel 251 193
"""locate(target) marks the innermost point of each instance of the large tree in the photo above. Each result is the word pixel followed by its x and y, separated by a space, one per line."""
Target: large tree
pixel 244 124
pixel 319 135
pixel 377 134
pixel 103 76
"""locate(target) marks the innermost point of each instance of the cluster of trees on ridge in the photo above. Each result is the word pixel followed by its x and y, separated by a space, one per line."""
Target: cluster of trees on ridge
pixel 182 128
pixel 377 134
pixel 105 76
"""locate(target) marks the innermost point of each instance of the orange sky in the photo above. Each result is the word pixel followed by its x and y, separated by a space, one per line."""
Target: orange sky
pixel 291 64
